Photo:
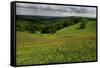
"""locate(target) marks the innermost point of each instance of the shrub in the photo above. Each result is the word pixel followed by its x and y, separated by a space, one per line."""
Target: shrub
pixel 83 24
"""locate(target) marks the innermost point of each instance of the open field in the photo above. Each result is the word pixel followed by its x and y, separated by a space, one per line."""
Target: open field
pixel 66 45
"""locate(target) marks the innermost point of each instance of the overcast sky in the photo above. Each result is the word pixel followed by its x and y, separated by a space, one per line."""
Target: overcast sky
pixel 54 10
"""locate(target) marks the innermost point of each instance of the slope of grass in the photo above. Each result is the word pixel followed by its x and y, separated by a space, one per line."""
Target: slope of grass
pixel 73 30
pixel 61 47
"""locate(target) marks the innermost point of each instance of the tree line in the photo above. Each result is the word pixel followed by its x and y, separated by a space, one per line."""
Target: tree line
pixel 50 25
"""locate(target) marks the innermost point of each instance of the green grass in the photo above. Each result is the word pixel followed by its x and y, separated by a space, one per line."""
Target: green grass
pixel 66 45
pixel 73 30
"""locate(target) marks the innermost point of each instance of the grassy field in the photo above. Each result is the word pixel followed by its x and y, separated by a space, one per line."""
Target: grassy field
pixel 66 45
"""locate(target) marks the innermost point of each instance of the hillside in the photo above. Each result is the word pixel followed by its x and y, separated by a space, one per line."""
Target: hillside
pixel 68 44
pixel 56 48
pixel 73 30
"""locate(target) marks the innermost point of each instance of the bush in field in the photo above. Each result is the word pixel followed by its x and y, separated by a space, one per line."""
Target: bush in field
pixel 65 24
pixel 53 30
pixel 83 24
pixel 76 20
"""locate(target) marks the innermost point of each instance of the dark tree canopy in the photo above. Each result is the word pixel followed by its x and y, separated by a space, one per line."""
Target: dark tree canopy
pixel 48 25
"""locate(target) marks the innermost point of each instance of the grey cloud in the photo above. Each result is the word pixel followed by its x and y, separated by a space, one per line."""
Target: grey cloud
pixel 54 10
pixel 79 10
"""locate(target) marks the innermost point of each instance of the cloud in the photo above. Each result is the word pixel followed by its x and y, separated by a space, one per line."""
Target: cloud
pixel 54 10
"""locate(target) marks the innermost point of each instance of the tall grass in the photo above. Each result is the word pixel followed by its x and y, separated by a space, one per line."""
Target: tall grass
pixel 55 48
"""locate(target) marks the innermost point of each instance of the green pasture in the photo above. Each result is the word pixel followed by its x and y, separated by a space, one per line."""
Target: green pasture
pixel 66 45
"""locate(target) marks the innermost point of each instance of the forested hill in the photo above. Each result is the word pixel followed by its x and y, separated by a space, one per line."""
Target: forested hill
pixel 49 18
pixel 46 24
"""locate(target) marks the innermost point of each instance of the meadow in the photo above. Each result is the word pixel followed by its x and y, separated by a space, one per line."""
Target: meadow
pixel 65 45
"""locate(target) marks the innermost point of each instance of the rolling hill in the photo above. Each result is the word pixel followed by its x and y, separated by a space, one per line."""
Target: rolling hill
pixel 69 44
pixel 73 30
